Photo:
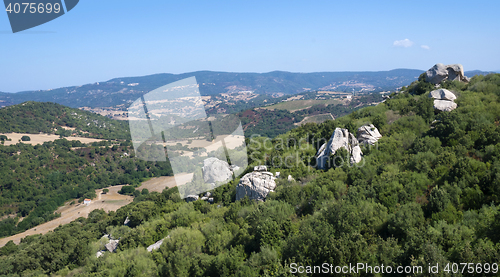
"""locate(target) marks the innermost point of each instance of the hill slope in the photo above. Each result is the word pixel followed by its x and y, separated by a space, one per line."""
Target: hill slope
pixel 125 90
pixel 427 193
pixel 50 118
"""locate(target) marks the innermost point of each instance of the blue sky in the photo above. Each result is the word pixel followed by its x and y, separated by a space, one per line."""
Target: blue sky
pixel 99 40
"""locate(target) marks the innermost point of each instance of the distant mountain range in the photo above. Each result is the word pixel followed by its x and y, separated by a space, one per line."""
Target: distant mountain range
pixel 122 91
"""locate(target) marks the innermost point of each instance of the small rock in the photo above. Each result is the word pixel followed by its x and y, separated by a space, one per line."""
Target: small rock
pixel 290 178
pixel 260 168
pixel 278 174
pixel 127 221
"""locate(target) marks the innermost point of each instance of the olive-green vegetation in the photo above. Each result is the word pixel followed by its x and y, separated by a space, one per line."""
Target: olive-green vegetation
pixel 50 118
pixel 428 192
pixel 35 180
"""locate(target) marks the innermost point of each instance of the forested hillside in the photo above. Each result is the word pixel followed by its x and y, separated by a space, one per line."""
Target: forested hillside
pixel 36 180
pixel 427 193
pixel 50 118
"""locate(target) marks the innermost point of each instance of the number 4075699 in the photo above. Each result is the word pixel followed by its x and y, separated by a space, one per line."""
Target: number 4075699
pixel 33 8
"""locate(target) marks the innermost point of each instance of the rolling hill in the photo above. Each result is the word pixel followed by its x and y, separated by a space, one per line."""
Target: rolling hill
pixel 120 91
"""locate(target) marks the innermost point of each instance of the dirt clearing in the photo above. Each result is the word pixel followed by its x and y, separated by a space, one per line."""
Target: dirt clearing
pixel 41 138
pixel 110 201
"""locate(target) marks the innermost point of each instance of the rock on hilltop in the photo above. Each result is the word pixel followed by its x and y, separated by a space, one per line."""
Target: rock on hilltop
pixel 440 72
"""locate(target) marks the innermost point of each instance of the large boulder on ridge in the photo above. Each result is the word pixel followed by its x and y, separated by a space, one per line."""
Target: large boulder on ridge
pixel 441 72
pixel 444 100
pixel 256 185
pixel 215 170
pixel 341 138
pixel 368 134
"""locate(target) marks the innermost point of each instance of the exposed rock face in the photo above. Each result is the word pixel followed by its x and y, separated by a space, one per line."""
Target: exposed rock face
pixel 341 138
pixel 368 134
pixel 112 245
pixel 290 178
pixel 443 100
pixel 256 185
pixel 441 72
pixel 215 170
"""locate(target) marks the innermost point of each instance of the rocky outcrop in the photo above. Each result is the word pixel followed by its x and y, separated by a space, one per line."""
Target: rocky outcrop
pixel 441 72
pixel 444 100
pixel 112 245
pixel 215 170
pixel 368 134
pixel 256 185
pixel 341 138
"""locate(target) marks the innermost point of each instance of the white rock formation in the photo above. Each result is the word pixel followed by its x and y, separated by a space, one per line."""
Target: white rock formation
pixel 368 134
pixel 215 170
pixel 441 72
pixel 112 245
pixel 256 185
pixel 290 178
pixel 443 100
pixel 341 138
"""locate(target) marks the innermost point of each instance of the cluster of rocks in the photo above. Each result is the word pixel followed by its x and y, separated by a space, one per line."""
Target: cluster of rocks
pixel 257 184
pixel 110 246
pixel 342 138
pixel 207 197
pixel 440 72
pixel 444 100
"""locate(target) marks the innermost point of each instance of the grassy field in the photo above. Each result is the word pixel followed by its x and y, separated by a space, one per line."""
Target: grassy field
pixel 296 105
pixel 319 118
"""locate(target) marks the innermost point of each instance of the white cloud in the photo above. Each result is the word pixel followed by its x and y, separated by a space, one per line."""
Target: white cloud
pixel 426 47
pixel 403 43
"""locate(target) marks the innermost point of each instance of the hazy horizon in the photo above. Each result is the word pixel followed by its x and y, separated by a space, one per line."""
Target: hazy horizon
pixel 104 40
